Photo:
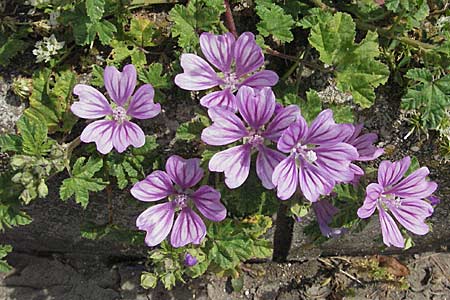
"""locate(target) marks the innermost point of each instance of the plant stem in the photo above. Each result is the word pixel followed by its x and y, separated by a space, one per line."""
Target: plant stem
pixel 229 21
pixel 282 239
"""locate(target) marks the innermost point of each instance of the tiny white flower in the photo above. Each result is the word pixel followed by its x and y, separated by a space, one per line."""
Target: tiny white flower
pixel 47 48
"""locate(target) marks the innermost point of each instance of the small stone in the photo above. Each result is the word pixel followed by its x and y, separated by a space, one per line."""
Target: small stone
pixel 415 149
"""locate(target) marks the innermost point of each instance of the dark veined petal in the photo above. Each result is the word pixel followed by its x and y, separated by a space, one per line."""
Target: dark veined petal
pixel 390 173
pixel 325 212
pixel 218 49
pixel 188 228
pixel 314 181
pixel 127 134
pixel 120 85
pixel 234 162
pixel 283 118
pixel 223 99
pixel 391 234
pixel 415 185
pixel 154 187
pixel 227 128
pixel 101 132
pixel 293 135
pixel 266 162
pixel 261 79
pixel 142 105
pixel 207 201
pixel 92 104
pixel 198 74
pixel 324 130
pixel 184 172
pixel 157 222
pixel 247 54
pixel 373 192
pixel 285 177
pixel 256 107
pixel 335 160
pixel 411 213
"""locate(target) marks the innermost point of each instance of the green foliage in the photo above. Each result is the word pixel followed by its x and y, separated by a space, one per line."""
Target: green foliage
pixel 274 21
pixel 196 16
pixel 4 250
pixel 82 180
pixel 427 95
pixel 355 67
pixel 156 76
pixel 413 11
pixel 192 129
pixel 10 214
pixel 11 46
pixel 51 99
pixel 113 232
pixel 34 137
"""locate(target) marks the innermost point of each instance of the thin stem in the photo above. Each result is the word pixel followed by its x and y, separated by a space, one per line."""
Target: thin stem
pixel 282 239
pixel 229 20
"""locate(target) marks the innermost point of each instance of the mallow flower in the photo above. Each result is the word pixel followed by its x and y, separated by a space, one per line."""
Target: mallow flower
pixel 403 198
pixel 115 130
pixel 257 127
pixel 175 184
pixel 317 158
pixel 237 61
pixel 364 144
pixel 325 211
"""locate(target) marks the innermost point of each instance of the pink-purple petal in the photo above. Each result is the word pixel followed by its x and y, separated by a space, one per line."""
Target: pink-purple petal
pixel 188 228
pixel 335 160
pixel 157 222
pixel 411 214
pixel 227 128
pixel 324 130
pixel 256 107
pixel 390 173
pixel 415 185
pixel 223 99
pixel 92 104
pixel 184 172
pixel 373 192
pixel 218 49
pixel 126 134
pixel 207 201
pixel 293 135
pixel 198 74
pixel 314 181
pixel 261 79
pixel 154 187
pixel 266 161
pixel 101 132
pixel 391 234
pixel 285 177
pixel 283 118
pixel 142 105
pixel 247 54
pixel 120 85
pixel 234 162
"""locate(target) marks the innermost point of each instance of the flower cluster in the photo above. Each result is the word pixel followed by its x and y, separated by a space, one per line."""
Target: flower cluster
pixel 292 156
pixel 48 47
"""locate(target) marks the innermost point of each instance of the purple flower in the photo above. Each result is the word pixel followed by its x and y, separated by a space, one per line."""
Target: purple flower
pixel 402 197
pixel 364 145
pixel 434 200
pixel 236 60
pixel 158 220
pixel 325 212
pixel 318 158
pixel 256 108
pixel 115 130
pixel 190 260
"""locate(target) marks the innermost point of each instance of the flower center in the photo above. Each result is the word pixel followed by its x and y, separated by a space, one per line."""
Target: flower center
pixel 181 201
pixel 308 154
pixel 119 114
pixel 390 200
pixel 254 139
pixel 231 81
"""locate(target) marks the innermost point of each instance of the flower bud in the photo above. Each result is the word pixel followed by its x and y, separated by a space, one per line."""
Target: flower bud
pixel 190 260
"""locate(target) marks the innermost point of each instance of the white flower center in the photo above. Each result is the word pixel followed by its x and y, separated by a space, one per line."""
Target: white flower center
pixel 231 81
pixel 308 154
pixel 254 139
pixel 181 200
pixel 119 114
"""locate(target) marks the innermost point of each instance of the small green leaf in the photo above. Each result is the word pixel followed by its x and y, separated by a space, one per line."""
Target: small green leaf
pixel 154 76
pixel 192 129
pixel 10 142
pixel 4 250
pixel 83 181
pixel 148 280
pixel 274 21
pixel 95 9
pixel 342 113
pixel 34 136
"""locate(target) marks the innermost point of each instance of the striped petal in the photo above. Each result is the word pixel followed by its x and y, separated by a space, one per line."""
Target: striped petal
pixel 188 228
pixel 120 85
pixel 157 222
pixel 101 132
pixel 184 172
pixel 92 104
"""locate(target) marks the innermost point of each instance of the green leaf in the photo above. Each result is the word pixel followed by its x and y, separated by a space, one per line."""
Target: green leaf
pixel 10 142
pixel 192 129
pixel 274 21
pixel 154 75
pixel 105 31
pixel 356 69
pixel 11 216
pixel 4 250
pixel 342 113
pixel 10 47
pixel 148 280
pixel 142 31
pixel 227 254
pixel 413 166
pixel 95 9
pixel 82 180
pixel 34 136
pixel 428 96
